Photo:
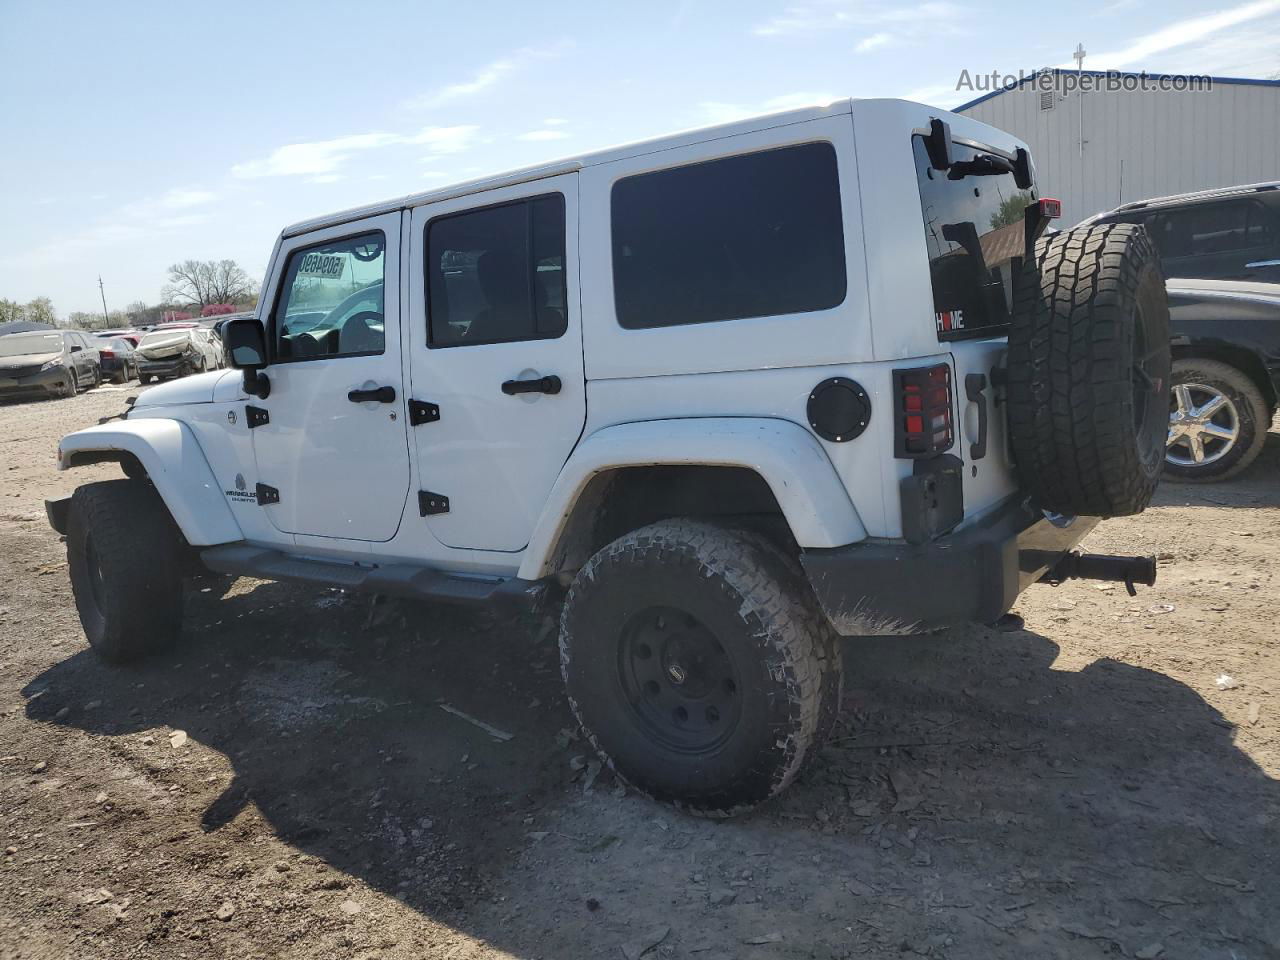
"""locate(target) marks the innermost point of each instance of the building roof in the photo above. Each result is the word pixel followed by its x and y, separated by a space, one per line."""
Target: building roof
pixel 1103 73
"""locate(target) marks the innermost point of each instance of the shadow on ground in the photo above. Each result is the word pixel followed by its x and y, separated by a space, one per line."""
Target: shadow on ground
pixel 1257 486
pixel 974 802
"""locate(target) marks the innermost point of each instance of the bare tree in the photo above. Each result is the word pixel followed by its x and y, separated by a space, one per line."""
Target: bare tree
pixel 198 283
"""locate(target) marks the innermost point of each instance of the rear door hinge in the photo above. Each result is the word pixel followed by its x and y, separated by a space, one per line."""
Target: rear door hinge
pixel 432 503
pixel 421 411
pixel 255 416
pixel 267 495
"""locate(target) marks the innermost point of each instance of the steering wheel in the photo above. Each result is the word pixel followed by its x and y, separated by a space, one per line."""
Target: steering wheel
pixel 356 335
pixel 364 252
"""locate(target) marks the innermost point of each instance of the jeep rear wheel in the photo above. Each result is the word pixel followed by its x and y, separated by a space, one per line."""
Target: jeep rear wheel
pixel 697 662
pixel 123 554
pixel 1088 372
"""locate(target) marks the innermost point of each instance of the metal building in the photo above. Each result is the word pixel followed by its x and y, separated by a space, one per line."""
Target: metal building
pixel 1101 139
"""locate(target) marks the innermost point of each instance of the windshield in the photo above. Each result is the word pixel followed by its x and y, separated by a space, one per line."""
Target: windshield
pixel 974 233
pixel 24 344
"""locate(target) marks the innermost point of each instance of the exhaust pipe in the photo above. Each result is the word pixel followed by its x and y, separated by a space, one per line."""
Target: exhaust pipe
pixel 1097 566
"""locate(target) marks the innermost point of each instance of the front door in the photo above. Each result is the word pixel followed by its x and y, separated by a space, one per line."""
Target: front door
pixel 334 447
pixel 497 347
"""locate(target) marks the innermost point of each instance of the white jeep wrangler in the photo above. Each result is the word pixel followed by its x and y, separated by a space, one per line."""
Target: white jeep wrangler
pixel 723 395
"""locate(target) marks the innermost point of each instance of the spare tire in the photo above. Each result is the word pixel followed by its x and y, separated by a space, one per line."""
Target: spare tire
pixel 1088 372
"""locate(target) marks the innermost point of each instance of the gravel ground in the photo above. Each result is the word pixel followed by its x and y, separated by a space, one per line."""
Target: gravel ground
pixel 285 784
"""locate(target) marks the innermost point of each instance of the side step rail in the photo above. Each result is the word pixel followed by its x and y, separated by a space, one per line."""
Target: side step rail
pixel 395 579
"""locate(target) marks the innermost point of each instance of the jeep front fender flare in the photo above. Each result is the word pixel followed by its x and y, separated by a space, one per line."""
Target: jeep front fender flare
pixel 787 456
pixel 175 464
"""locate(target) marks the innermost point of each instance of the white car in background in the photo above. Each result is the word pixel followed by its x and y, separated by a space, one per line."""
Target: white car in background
pixel 176 350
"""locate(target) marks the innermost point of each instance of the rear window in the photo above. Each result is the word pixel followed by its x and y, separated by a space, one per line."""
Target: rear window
pixel 754 235
pixel 974 235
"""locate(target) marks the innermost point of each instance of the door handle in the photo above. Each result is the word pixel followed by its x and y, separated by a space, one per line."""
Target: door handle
pixel 377 394
pixel 549 384
pixel 974 384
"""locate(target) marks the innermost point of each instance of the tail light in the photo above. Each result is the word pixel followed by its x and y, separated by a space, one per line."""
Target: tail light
pixel 107 353
pixel 924 424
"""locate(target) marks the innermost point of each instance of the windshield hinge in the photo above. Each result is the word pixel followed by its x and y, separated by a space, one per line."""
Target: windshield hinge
pixel 430 503
pixel 421 411
pixel 267 495
pixel 255 416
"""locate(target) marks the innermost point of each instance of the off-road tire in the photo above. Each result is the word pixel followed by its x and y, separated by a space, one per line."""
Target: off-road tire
pixel 1087 429
pixel 765 621
pixel 123 552
pixel 1252 413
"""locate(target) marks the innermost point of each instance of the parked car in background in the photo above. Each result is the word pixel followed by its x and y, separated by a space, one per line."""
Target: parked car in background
pixel 1232 233
pixel 1226 375
pixel 119 362
pixel 133 336
pixel 52 363
pixel 172 350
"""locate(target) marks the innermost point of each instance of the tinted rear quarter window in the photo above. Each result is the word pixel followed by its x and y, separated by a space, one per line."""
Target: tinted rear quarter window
pixel 753 235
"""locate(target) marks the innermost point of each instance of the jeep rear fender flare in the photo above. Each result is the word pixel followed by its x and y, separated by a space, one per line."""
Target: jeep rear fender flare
pixel 175 464
pixel 788 457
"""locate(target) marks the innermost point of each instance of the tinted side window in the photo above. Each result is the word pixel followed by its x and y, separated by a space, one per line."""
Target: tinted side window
pixel 1211 228
pixel 754 235
pixel 497 274
pixel 331 304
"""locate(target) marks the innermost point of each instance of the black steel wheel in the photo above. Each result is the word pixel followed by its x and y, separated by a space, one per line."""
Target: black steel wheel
pixel 698 664
pixel 679 680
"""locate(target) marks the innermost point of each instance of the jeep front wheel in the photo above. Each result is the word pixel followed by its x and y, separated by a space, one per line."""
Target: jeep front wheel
pixel 698 664
pixel 123 555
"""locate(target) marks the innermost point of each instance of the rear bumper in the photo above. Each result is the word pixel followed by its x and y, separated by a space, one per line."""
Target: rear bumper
pixel 168 367
pixel 888 587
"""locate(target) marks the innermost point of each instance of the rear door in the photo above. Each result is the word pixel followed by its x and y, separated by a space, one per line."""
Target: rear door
pixel 496 349
pixel 974 235
pixel 334 449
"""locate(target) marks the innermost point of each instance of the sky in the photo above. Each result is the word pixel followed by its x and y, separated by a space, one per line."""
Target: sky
pixel 137 135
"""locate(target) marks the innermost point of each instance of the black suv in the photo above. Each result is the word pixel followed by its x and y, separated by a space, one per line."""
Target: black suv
pixel 1232 233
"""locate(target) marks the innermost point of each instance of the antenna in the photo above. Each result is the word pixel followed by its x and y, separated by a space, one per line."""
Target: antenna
pixel 1078 57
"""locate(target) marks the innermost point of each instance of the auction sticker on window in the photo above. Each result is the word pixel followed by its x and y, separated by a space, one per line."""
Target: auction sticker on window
pixel 326 265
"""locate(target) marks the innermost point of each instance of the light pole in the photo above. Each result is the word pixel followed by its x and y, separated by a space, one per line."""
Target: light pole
pixel 106 322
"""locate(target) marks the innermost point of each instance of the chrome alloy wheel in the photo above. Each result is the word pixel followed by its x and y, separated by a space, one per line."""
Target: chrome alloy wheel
pixel 1204 425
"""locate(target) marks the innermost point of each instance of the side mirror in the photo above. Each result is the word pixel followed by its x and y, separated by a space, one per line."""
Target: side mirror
pixel 245 347
pixel 75 349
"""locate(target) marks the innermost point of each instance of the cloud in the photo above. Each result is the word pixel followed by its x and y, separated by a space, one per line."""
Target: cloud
pixel 824 16
pixel 713 111
pixel 1193 30
pixel 180 198
pixel 324 158
pixel 555 121
pixel 442 140
pixel 543 135
pixel 873 42
pixel 488 76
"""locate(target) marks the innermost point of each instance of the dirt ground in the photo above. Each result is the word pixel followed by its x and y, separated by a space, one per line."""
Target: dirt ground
pixel 286 784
